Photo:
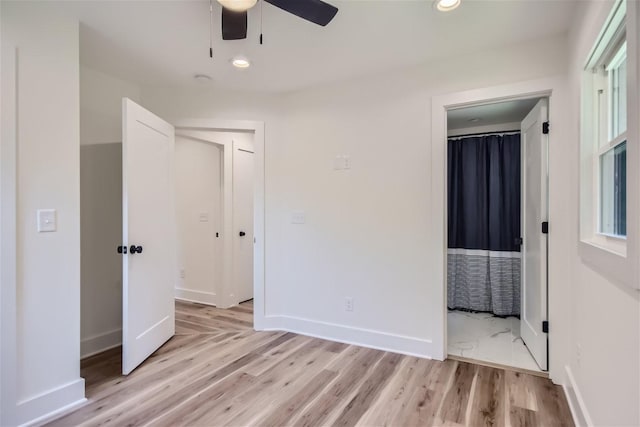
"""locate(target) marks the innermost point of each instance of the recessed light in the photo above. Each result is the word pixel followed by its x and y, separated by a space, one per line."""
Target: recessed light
pixel 203 78
pixel 240 62
pixel 447 5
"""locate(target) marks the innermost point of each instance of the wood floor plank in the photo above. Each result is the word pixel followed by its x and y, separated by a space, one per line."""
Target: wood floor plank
pixel 277 383
pixel 398 401
pixel 337 347
pixel 343 386
pixel 242 309
pixel 553 409
pixel 220 372
pixel 520 391
pixel 199 318
pixel 428 395
pixel 195 327
pixel 521 417
pixel 172 394
pixel 168 355
pixel 122 391
pixel 235 320
pixel 283 413
pixel 100 358
pixel 488 406
pixel 191 410
pixel 368 391
pixel 276 354
pixel 457 397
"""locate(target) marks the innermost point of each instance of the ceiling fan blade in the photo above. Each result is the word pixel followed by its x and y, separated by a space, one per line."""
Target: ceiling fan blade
pixel 316 11
pixel 234 25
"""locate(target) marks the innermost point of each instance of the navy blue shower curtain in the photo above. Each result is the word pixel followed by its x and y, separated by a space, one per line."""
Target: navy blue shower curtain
pixel 484 223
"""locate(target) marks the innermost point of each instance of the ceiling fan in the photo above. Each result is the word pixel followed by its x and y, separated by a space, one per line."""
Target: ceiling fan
pixel 234 14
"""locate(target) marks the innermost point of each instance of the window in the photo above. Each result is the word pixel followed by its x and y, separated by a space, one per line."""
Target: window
pixel 609 233
pixel 604 138
pixel 611 91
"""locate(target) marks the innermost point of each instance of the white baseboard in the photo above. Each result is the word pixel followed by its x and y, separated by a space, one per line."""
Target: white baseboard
pixel 208 298
pixel 394 343
pixel 579 412
pixel 52 404
pixel 98 343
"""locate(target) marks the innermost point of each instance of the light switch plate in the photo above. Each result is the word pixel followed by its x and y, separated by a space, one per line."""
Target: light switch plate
pixel 47 221
pixel 341 162
pixel 298 217
pixel 337 163
pixel 346 162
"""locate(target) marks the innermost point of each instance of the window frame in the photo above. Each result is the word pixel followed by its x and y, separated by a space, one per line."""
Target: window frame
pixel 616 257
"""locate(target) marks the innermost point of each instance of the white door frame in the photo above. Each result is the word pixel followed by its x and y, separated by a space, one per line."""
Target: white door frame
pixel 8 226
pixel 439 106
pixel 257 128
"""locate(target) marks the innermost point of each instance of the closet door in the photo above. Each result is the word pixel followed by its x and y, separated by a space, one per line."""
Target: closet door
pixel 534 249
pixel 243 221
pixel 149 234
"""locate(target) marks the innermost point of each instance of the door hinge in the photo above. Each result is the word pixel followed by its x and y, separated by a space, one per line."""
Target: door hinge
pixel 545 326
pixel 545 128
pixel 545 227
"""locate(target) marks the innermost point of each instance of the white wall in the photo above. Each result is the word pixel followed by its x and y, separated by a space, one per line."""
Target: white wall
pixel 101 233
pixel 367 229
pixel 199 193
pixel 101 207
pixel 604 317
pixel 101 106
pixel 47 338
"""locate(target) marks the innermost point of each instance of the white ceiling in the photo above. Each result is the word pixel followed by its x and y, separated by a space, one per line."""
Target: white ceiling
pixel 490 114
pixel 166 42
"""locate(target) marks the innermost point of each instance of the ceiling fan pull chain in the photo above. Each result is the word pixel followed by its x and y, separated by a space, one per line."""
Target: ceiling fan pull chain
pixel 210 28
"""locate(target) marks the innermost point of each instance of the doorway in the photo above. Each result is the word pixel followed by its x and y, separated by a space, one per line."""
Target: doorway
pixel 102 196
pixel 221 193
pixel 496 292
pixel 215 188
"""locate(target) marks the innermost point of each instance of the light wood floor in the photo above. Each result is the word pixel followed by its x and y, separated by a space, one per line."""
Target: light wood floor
pixel 217 371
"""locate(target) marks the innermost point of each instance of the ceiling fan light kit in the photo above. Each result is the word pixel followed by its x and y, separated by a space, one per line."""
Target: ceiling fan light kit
pixel 234 14
pixel 238 5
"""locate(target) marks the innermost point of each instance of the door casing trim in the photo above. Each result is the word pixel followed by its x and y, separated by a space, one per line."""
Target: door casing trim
pixel 555 90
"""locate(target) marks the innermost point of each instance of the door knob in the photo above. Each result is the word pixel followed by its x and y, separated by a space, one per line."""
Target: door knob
pixel 135 249
pixel 122 249
pixel 242 233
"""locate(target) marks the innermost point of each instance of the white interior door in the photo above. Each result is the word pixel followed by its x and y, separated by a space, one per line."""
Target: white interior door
pixel 243 221
pixel 149 235
pixel 534 249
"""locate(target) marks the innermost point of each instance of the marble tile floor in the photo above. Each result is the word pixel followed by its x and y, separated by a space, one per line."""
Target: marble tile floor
pixel 482 336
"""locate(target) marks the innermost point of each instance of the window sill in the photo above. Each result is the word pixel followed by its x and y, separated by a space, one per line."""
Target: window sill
pixel 610 243
pixel 617 237
pixel 610 262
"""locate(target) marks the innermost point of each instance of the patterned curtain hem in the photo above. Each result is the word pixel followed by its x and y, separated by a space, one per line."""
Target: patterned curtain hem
pixel 483 280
